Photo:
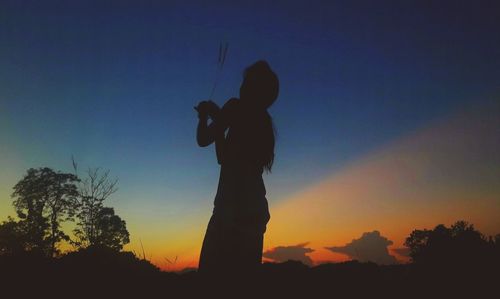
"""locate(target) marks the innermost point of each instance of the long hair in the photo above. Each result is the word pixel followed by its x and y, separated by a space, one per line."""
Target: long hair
pixel 261 85
pixel 269 142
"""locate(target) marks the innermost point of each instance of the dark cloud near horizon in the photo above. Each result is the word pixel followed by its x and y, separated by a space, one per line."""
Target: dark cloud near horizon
pixel 402 251
pixel 371 246
pixel 284 253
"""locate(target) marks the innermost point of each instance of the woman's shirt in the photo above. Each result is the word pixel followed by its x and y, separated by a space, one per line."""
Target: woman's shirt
pixel 241 152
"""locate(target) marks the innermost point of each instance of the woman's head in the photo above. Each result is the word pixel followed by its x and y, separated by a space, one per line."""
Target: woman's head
pixel 260 84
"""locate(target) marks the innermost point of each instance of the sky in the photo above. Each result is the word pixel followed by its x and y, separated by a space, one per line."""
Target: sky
pixel 387 118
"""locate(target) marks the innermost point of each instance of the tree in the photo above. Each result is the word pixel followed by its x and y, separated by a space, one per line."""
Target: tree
pixel 111 230
pixel 459 244
pixel 43 199
pixel 98 225
pixel 13 238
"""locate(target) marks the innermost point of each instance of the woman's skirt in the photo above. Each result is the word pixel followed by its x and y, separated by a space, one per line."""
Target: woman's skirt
pixel 233 244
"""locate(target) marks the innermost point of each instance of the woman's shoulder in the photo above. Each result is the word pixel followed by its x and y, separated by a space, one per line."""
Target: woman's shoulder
pixel 229 112
pixel 231 104
pixel 231 108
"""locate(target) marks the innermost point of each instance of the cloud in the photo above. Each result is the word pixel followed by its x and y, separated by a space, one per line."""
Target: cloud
pixel 285 253
pixel 371 246
pixel 402 251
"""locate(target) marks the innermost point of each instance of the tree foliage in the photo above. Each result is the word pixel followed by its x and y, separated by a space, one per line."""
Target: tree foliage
pixel 459 244
pixel 13 237
pixel 43 199
pixel 110 230
pixel 98 225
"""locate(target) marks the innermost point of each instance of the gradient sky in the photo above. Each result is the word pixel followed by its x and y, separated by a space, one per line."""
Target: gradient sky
pixel 387 116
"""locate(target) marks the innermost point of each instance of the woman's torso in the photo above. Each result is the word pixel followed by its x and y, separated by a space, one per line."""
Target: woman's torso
pixel 241 190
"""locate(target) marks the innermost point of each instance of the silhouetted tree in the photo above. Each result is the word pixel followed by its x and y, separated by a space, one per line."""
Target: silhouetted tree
pixel 43 199
pixel 13 237
pixel 110 230
pixel 459 244
pixel 98 225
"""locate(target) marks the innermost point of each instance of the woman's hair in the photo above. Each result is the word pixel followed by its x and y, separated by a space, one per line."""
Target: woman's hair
pixel 268 142
pixel 261 86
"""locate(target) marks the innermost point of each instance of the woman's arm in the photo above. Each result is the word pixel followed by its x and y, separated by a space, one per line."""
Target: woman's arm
pixel 206 134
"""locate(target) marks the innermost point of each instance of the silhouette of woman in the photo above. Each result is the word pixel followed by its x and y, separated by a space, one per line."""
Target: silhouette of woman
pixel 234 236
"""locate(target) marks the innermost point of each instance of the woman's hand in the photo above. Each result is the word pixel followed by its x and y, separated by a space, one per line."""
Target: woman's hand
pixel 207 109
